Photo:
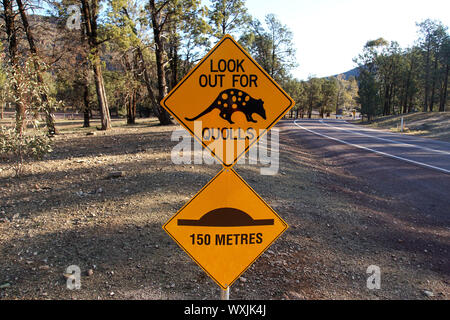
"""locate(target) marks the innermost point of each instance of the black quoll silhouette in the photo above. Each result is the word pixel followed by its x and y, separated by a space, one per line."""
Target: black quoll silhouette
pixel 230 101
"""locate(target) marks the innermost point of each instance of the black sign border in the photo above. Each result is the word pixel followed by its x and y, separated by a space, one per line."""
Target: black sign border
pixel 286 226
pixel 165 106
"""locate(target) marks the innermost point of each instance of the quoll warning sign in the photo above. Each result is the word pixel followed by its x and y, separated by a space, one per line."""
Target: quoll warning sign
pixel 232 98
pixel 225 227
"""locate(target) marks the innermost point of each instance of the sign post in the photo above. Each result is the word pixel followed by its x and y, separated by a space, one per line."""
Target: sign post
pixel 225 294
pixel 227 102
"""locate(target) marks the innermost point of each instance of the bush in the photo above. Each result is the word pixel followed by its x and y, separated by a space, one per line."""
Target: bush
pixel 31 97
pixel 19 148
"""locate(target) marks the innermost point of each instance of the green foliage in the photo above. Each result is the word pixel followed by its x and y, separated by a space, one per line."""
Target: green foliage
pixel 193 33
pixel 322 94
pixel 272 47
pixel 126 23
pixel 18 148
pixel 368 95
pixel 329 90
pixel 227 17
pixel 26 92
pixel 313 94
pixel 119 86
pixel 3 86
pixel 296 91
pixel 405 80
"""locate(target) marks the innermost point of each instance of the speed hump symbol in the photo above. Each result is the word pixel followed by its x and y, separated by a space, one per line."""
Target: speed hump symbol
pixel 225 227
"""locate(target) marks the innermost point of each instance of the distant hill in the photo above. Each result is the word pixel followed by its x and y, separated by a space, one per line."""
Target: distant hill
pixel 58 45
pixel 350 73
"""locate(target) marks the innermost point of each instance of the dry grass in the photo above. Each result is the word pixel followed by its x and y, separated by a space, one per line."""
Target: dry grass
pixel 435 125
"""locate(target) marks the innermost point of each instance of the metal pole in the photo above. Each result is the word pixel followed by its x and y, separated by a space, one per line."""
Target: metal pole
pixel 225 294
pixel 401 126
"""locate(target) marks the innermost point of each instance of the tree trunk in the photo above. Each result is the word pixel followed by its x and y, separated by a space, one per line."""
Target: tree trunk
pixel 338 98
pixel 427 76
pixel 157 25
pixel 405 97
pixel 157 109
pixel 49 117
pixel 86 123
pixel 101 96
pixel 224 24
pixel 386 100
pixel 410 104
pixel 10 28
pixel 162 85
pixel 9 18
pixel 433 86
pixel 310 111
pixel 173 65
pixel 443 100
pixel 90 13
pixel 131 108
pixel 392 95
pixel 160 113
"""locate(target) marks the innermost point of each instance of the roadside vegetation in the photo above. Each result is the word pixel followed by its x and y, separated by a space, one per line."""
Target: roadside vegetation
pixel 434 125
pixel 394 80
pixel 118 59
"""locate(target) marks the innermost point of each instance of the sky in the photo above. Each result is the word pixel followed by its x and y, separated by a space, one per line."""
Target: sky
pixel 329 34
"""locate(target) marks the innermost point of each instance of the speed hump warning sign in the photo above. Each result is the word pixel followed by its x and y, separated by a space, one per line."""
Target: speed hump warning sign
pixel 225 227
pixel 227 101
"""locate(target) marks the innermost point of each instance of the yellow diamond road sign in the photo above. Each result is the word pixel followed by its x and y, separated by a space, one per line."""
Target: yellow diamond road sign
pixel 225 227
pixel 227 101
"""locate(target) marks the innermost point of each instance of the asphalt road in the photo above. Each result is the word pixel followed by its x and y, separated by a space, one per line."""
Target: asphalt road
pixel 413 172
pixel 427 153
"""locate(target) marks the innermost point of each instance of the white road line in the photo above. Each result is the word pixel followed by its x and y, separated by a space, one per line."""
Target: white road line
pixel 372 150
pixel 388 140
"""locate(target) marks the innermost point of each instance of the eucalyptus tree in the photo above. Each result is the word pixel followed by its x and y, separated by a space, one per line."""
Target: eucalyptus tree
pixel 433 36
pixel 328 92
pixel 49 117
pixel 187 34
pixel 369 95
pixel 272 46
pixel 228 17
pixel 445 63
pixel 90 13
pixel 296 91
pixel 11 29
pixel 313 94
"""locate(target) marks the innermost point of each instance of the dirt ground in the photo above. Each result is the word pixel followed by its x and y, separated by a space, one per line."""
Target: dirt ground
pixel 69 210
